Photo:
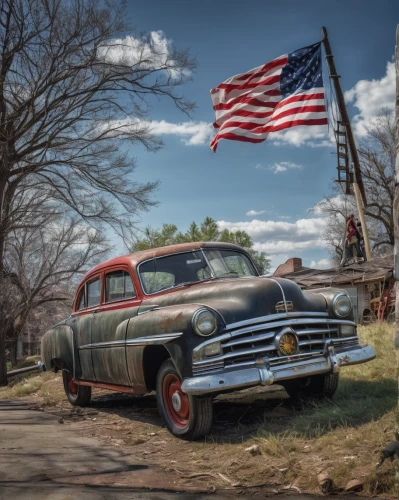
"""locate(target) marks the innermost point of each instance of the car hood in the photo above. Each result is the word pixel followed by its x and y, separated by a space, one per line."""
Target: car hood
pixel 243 298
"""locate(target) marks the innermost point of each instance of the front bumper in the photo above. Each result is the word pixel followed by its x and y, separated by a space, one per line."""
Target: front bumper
pixel 262 373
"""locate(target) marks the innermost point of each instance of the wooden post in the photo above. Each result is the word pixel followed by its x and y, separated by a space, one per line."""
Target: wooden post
pixel 396 246
pixel 358 185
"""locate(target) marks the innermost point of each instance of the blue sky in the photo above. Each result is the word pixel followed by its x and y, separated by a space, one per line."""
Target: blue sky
pixel 286 175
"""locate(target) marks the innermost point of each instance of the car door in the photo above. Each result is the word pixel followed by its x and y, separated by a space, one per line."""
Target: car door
pixel 109 327
pixel 89 297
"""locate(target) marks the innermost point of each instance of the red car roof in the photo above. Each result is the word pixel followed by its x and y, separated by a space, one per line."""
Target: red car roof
pixel 133 259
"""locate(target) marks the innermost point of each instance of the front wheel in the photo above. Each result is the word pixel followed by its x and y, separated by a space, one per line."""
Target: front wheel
pixel 187 417
pixel 315 387
pixel 78 395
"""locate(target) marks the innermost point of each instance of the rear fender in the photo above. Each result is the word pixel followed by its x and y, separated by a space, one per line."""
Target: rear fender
pixel 58 350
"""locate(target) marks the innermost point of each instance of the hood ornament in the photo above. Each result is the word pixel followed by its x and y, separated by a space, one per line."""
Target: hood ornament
pixel 284 306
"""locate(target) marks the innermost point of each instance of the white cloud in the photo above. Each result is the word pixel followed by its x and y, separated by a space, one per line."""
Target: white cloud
pixel 314 136
pixel 293 248
pixel 321 264
pixel 252 213
pixel 281 239
pixel 277 167
pixel 277 237
pixel 369 96
pixel 192 133
pixel 290 164
pixel 148 52
pixel 337 201
pixel 284 166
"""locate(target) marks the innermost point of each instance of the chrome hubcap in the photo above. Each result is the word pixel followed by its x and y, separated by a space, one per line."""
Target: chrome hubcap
pixel 176 401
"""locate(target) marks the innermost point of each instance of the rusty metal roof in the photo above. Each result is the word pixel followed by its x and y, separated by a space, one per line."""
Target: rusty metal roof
pixel 375 270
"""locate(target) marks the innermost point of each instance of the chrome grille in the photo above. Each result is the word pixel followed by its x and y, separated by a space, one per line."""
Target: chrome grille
pixel 252 344
pixel 241 347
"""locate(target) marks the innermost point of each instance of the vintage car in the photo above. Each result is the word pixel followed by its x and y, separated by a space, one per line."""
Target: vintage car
pixel 194 320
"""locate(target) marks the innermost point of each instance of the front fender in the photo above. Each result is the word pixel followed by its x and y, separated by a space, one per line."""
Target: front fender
pixel 329 293
pixel 58 349
pixel 170 327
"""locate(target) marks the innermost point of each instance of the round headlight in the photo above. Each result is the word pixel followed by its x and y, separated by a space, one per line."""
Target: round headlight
pixel 342 305
pixel 204 322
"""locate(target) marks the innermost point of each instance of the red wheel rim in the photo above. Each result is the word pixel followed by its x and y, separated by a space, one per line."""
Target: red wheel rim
pixel 176 402
pixel 72 387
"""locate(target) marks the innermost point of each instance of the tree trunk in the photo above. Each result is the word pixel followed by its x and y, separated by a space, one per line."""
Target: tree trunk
pixel 3 364
pixel 14 351
pixel 3 330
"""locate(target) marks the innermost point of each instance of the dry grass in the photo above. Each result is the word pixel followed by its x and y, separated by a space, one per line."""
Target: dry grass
pixel 343 437
pixel 346 435
pixel 46 385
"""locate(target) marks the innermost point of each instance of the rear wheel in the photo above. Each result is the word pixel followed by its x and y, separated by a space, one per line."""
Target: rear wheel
pixel 316 387
pixel 78 395
pixel 188 417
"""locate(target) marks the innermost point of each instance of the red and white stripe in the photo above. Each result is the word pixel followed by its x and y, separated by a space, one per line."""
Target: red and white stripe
pixel 249 106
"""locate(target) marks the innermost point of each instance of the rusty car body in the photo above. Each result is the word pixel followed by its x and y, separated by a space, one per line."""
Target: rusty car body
pixel 194 320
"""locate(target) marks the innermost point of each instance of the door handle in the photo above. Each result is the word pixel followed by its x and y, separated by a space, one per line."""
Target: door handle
pixel 96 311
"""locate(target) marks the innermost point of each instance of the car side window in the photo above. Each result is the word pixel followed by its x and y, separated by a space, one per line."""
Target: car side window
pixel 118 286
pixel 93 293
pixel 81 299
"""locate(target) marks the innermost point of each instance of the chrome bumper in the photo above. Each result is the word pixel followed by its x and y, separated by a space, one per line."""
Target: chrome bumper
pixel 262 373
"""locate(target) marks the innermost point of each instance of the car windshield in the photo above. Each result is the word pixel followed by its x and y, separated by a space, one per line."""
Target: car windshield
pixel 191 267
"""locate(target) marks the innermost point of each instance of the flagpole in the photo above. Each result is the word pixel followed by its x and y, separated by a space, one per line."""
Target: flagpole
pixel 360 193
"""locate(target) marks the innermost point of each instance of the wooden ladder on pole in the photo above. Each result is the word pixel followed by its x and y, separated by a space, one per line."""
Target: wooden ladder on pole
pixel 344 174
pixel 358 185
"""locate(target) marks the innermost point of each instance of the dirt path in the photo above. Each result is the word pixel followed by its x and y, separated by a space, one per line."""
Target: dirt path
pixel 42 459
pixel 39 458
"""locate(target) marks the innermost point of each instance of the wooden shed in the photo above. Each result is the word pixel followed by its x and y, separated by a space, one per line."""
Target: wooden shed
pixel 370 285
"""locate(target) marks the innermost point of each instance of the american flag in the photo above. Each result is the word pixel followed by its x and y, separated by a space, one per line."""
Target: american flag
pixel 283 93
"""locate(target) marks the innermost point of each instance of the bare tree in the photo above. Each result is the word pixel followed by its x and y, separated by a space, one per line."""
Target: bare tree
pixel 76 87
pixel 377 154
pixel 377 159
pixel 44 264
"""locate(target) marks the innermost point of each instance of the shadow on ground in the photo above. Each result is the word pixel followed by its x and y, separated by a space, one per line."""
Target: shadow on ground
pixel 241 415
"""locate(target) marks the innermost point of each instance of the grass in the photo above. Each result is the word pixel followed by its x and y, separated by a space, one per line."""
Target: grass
pixel 343 437
pixel 47 386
